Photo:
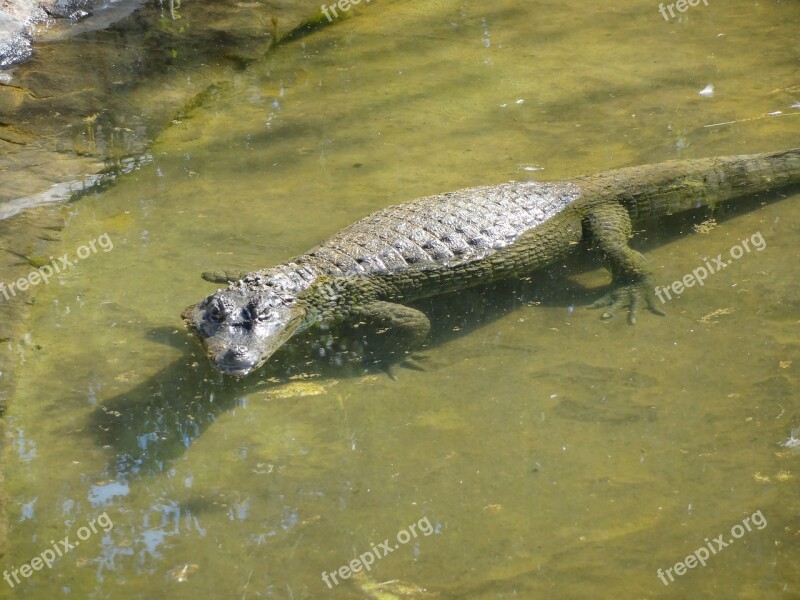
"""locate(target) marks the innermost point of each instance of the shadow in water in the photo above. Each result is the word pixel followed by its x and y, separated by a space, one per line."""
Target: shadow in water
pixel 155 422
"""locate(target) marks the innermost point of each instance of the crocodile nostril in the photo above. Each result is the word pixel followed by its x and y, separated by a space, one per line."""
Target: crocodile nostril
pixel 238 351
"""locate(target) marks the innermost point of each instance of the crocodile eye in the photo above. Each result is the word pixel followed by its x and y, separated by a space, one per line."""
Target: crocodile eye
pixel 253 314
pixel 218 309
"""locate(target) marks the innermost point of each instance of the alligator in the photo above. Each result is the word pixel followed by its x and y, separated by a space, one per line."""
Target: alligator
pixel 369 273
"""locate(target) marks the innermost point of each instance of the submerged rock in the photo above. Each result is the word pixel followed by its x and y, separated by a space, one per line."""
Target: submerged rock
pixel 20 20
pixel 15 41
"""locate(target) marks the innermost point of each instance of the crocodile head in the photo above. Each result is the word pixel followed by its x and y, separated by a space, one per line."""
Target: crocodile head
pixel 240 329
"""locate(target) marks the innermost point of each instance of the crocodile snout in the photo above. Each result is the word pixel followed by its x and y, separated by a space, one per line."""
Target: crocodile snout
pixel 238 360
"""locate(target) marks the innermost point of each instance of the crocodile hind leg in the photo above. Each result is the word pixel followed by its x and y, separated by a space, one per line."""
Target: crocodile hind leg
pixel 390 330
pixel 609 228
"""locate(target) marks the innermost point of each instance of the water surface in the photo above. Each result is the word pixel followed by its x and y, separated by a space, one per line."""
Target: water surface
pixel 553 454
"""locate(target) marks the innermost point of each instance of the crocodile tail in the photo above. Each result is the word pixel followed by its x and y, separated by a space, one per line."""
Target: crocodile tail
pixel 735 176
pixel 680 185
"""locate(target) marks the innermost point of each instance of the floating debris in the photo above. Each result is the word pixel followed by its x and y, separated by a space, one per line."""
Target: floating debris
pixel 707 91
pixel 705 226
pixel 390 590
pixel 183 572
pixel 792 89
pixel 793 441
pixel 711 318
pixel 297 389
pixel 779 476
pixel 776 113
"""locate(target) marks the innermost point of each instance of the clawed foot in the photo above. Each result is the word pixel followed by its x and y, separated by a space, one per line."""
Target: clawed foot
pixel 411 361
pixel 632 295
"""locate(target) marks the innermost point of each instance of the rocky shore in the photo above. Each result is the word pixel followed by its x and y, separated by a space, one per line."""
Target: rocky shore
pixel 22 20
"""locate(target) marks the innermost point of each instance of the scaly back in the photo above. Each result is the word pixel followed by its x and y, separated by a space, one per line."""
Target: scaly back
pixel 441 230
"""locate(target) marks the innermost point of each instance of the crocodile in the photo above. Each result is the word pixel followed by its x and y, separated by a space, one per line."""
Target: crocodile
pixel 369 273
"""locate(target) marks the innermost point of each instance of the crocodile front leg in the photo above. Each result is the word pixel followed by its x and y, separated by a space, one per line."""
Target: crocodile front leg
pixel 609 228
pixel 390 329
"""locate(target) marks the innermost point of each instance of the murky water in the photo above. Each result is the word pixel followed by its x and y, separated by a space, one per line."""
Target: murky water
pixel 542 452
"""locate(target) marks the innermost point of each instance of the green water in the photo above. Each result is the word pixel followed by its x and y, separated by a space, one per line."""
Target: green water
pixel 553 455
